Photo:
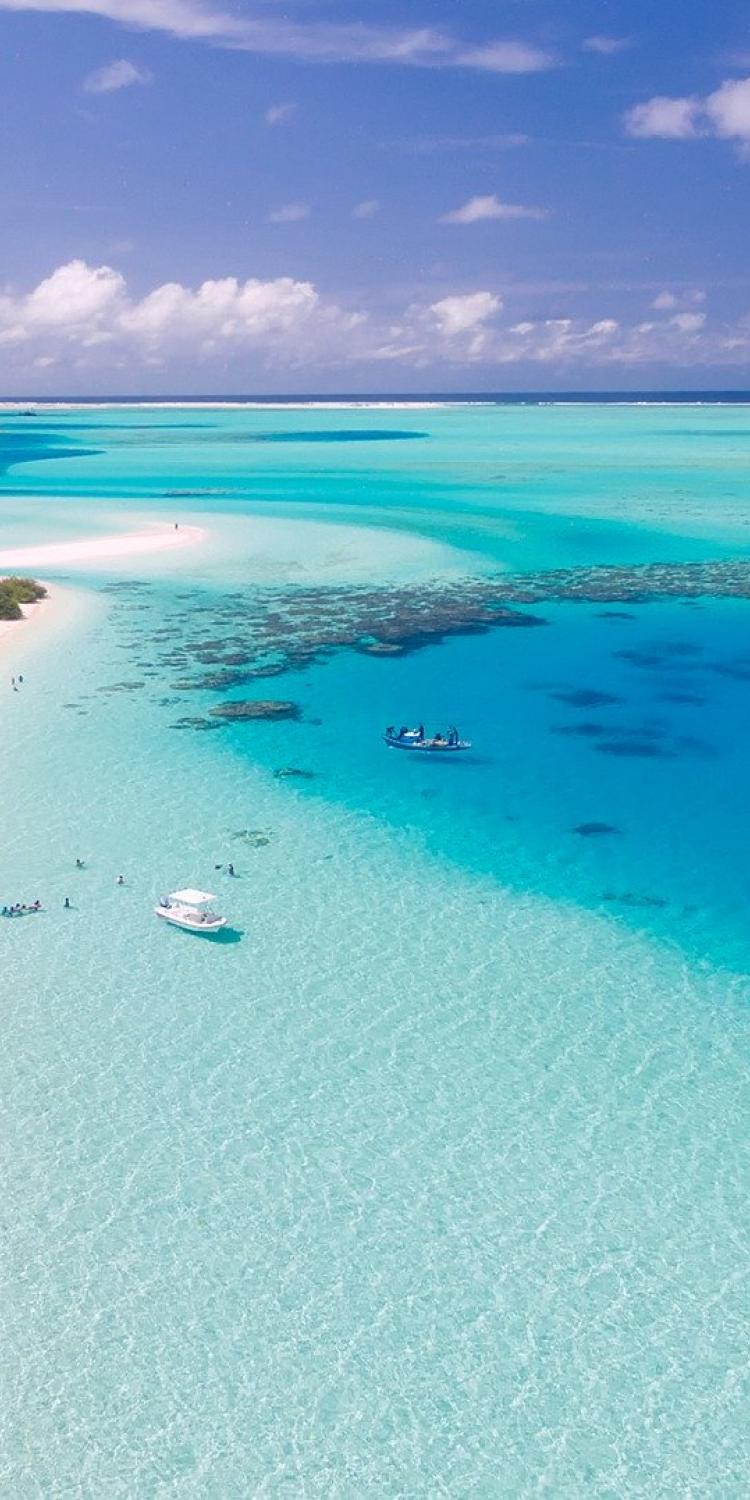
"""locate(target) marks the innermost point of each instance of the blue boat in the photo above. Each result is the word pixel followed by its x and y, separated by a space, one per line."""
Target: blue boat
pixel 416 739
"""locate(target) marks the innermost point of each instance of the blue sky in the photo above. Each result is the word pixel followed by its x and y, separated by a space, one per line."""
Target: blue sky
pixel 202 197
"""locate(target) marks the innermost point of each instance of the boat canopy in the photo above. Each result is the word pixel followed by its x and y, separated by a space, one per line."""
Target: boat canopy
pixel 191 897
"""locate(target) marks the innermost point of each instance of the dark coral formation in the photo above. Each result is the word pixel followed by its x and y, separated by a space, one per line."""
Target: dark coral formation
pixel 254 709
pixel 213 643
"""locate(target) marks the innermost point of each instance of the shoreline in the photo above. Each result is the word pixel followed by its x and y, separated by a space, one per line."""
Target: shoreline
pixel 29 613
pixel 59 606
pixel 61 603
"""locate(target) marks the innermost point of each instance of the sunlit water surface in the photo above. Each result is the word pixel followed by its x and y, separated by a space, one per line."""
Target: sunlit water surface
pixel 432 1179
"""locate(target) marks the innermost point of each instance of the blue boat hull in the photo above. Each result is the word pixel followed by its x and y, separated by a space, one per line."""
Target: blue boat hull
pixel 426 747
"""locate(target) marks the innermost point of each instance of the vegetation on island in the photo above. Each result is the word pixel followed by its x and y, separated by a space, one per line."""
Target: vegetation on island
pixel 14 592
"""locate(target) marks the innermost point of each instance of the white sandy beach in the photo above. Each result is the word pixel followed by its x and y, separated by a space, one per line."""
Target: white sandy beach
pixel 157 538
pixel 42 624
pixel 31 613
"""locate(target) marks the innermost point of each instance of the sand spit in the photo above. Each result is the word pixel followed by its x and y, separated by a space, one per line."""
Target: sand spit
pixel 93 549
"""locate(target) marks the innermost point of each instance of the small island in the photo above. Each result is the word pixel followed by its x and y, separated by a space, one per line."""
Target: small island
pixel 15 593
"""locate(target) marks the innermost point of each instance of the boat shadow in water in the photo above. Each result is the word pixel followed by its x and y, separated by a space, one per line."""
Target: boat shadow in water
pixel 466 759
pixel 227 936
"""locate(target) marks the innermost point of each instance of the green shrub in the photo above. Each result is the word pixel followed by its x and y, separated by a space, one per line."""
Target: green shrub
pixel 17 591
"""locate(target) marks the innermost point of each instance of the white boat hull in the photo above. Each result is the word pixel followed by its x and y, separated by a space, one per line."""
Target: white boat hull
pixel 190 920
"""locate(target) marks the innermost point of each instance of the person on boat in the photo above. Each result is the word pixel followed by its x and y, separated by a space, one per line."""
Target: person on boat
pixel 453 735
pixel 420 732
pixel 390 732
pixel 403 731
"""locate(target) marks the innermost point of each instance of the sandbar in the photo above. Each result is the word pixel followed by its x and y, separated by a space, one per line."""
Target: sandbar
pixel 157 538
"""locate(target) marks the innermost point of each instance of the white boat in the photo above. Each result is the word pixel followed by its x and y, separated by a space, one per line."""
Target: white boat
pixel 189 909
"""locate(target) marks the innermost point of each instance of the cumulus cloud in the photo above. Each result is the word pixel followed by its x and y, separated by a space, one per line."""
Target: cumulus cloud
pixel 310 40
pixel 671 119
pixel 289 213
pixel 728 109
pixel 115 75
pixel 84 318
pixel 465 312
pixel 490 207
pixel 725 113
pixel 74 300
pixel 282 113
pixel 367 209
pixel 664 301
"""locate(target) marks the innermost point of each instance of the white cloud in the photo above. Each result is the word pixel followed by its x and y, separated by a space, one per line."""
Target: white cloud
pixel 465 312
pixel 85 319
pixel 74 297
pixel 280 114
pixel 313 41
pixel 508 57
pixel 725 114
pixel 116 75
pixel 728 109
pixel 672 119
pixel 606 46
pixel 688 322
pixel 688 298
pixel 478 209
pixel 367 209
pixel 289 213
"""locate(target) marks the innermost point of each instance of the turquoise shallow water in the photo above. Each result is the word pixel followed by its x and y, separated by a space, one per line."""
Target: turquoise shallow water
pixel 433 1182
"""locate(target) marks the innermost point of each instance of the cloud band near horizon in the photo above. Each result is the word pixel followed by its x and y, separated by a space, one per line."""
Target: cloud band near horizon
pixel 83 318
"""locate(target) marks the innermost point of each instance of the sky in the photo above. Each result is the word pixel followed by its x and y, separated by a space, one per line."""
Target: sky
pixel 325 196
